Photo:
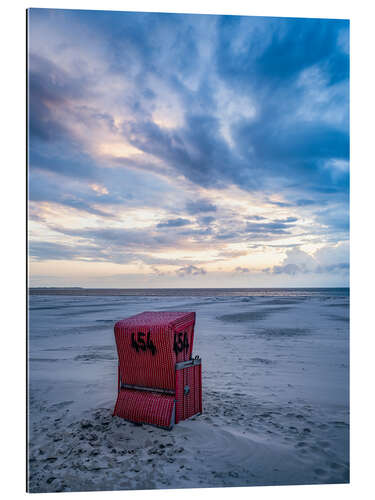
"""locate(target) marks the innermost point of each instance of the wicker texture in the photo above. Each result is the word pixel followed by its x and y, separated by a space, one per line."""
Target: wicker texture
pixel 188 404
pixel 145 407
pixel 146 368
pixel 149 345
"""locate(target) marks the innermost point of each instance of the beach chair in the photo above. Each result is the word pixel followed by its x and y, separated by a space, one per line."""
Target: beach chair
pixel 159 382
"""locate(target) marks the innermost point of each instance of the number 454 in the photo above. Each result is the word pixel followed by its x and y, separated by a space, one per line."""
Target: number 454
pixel 140 342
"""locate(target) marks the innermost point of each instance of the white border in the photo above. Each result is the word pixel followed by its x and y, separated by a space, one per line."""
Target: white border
pixel 362 242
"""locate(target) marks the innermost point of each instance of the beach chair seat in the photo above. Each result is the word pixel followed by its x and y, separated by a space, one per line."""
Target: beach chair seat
pixel 159 382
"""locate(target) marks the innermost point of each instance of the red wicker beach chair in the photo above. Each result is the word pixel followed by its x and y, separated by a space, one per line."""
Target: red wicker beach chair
pixel 158 380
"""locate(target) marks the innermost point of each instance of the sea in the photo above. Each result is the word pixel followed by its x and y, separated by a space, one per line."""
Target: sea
pixel 194 292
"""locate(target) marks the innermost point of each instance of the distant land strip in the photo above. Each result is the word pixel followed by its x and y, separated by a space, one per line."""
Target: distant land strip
pixel 181 291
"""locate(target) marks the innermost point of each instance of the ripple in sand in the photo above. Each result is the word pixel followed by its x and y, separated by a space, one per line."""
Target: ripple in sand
pixel 336 317
pixel 250 315
pixel 282 332
pixel 343 304
pixel 283 302
pixel 94 357
pixel 47 360
pixel 261 361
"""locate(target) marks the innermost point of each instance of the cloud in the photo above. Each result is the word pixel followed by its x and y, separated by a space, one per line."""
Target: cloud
pixel 336 217
pixel 280 203
pixel 190 270
pixel 97 250
pixel 265 51
pixel 291 269
pixel 296 261
pixel 196 150
pixel 327 259
pixel 331 255
pixel 341 267
pixel 174 223
pixel 228 235
pixel 119 237
pixel 255 217
pixel 305 202
pixel 72 194
pixel 232 253
pixel 50 87
pixel 207 219
pixel 197 233
pixel 46 251
pixel 199 206
pixel 240 269
pixel 141 243
pixel 43 250
pixel 278 226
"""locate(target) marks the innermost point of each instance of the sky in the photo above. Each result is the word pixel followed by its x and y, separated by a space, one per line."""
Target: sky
pixel 174 150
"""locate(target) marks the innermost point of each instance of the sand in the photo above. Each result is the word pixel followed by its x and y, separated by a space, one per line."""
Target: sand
pixel 275 396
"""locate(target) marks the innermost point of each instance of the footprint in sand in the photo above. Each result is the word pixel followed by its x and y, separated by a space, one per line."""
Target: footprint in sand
pixel 300 444
pixel 323 444
pixel 320 472
pixel 335 466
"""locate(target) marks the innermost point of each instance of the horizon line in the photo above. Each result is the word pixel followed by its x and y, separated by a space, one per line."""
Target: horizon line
pixel 179 288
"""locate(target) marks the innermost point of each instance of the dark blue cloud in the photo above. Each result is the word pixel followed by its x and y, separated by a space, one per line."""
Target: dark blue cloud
pixel 50 87
pixel 66 162
pixel 300 43
pixel 268 230
pixel 280 144
pixel 275 50
pixel 256 217
pixel 281 226
pixel 335 217
pixel 339 267
pixel 201 205
pixel 197 150
pixel 305 202
pixel 196 233
pixel 174 223
pixel 207 219
pixel 228 235
pixel 300 144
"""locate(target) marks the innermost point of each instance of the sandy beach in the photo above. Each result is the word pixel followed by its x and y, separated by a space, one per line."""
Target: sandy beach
pixel 275 395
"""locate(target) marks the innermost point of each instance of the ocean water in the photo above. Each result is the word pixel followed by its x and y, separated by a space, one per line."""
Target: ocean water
pixel 195 292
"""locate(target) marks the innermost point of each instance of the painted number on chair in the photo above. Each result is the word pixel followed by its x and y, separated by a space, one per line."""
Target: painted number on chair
pixel 180 342
pixel 142 344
